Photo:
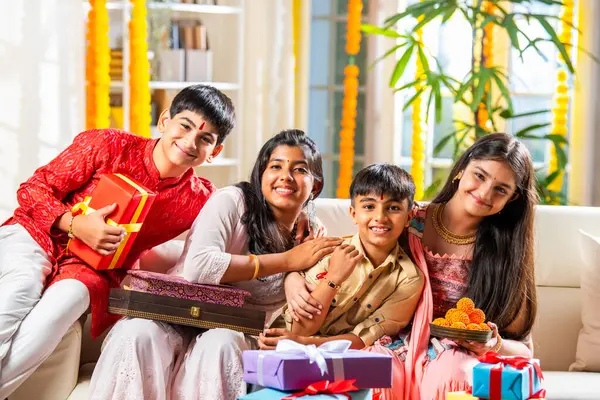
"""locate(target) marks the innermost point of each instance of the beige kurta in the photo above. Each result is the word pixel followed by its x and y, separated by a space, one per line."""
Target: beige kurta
pixel 373 301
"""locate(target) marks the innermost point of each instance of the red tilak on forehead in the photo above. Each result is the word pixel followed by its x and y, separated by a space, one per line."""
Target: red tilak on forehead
pixel 202 125
pixel 381 196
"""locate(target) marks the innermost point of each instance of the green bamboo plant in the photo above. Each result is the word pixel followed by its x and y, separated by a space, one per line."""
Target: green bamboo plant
pixel 485 86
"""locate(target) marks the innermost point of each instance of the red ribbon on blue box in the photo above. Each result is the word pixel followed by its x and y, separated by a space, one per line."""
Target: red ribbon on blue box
pixel 517 362
pixel 327 387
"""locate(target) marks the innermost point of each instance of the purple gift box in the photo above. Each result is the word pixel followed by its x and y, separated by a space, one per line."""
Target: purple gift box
pixel 176 286
pixel 291 368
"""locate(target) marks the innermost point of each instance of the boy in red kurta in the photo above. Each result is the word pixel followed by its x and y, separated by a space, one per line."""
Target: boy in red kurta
pixel 33 241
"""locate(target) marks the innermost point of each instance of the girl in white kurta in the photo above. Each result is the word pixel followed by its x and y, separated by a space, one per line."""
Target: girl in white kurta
pixel 144 359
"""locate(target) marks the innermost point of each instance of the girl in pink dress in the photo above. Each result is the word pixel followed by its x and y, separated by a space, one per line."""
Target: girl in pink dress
pixel 475 240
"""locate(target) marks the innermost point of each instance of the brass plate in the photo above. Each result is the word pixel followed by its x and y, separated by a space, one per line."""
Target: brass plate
pixel 460 334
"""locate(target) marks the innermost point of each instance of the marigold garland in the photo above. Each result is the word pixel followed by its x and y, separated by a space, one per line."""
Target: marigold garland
pixel 97 67
pixel 348 122
pixel 139 71
pixel 487 60
pixel 419 128
pixel 561 96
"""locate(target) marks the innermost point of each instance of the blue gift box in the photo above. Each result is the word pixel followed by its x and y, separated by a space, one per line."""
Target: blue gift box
pixel 273 394
pixel 515 383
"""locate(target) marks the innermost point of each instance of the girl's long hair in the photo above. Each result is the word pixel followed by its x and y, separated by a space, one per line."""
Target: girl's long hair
pixel 502 277
pixel 266 235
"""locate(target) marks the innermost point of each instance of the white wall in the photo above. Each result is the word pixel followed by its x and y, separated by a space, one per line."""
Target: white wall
pixel 41 87
pixel 42 84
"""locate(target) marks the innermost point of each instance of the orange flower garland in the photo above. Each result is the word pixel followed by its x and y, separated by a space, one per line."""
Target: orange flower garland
pixel 487 60
pixel 419 127
pixel 561 96
pixel 348 122
pixel 139 71
pixel 97 67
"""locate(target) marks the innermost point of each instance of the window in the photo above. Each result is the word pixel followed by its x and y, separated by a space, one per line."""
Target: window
pixel 532 85
pixel 327 61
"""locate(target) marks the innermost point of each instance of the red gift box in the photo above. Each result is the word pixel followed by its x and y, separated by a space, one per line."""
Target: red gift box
pixel 133 203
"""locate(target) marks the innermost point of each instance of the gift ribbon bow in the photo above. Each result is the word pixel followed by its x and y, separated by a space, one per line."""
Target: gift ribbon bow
pixel 315 354
pixel 83 208
pixel 516 362
pixel 326 387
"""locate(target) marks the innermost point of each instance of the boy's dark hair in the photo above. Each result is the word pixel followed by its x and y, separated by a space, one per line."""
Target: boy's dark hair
pixel 214 106
pixel 383 178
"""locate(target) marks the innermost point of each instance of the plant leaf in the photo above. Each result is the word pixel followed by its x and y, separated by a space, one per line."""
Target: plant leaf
pixel 507 114
pixel 444 141
pixel 523 132
pixel 428 17
pixel 432 189
pixel 401 65
pixel 511 29
pixel 408 85
pixel 423 58
pixel 435 86
pixel 375 30
pixel 462 89
pixel 387 53
pixel 505 92
pixel 413 98
pixel 561 156
pixel 414 10
pixel 550 178
pixel 557 139
pixel 484 77
pixel 557 43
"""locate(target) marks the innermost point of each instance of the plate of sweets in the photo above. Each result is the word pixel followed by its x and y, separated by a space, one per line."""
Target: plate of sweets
pixel 464 322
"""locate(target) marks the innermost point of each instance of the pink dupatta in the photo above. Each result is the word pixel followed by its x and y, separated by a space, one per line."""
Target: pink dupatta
pixel 419 335
pixel 407 375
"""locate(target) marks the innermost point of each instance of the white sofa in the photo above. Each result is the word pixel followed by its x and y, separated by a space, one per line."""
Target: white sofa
pixel 65 375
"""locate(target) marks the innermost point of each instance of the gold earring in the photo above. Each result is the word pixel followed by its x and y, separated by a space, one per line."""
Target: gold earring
pixel 457 177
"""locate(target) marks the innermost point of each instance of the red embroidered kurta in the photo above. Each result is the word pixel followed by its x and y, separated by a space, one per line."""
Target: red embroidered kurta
pixel 73 174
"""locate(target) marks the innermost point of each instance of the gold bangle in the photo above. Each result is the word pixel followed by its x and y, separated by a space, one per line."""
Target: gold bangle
pixel 498 345
pixel 256 266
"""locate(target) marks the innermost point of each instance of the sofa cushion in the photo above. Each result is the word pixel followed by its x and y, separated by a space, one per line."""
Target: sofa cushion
pixel 588 344
pixel 57 376
pixel 556 327
pixel 335 215
pixel 81 391
pixel 571 385
pixel 557 259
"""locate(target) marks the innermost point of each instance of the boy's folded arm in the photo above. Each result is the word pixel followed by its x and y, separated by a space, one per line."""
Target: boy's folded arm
pixel 393 314
pixel 308 327
pixel 41 196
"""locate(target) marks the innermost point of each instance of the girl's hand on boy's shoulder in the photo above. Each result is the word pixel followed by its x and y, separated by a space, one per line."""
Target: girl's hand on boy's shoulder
pixel 308 254
pixel 269 339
